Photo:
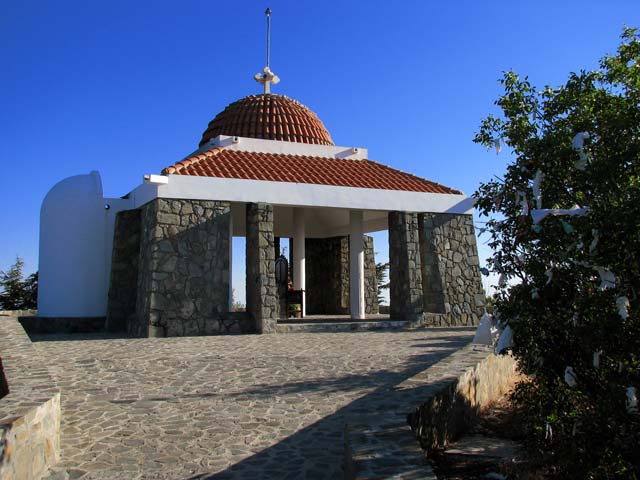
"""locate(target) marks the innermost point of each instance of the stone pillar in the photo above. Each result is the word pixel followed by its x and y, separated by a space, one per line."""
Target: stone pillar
pixel 405 273
pixel 183 276
pixel 356 265
pixel 262 295
pixel 123 284
pixel 299 270
pixel 370 278
pixel 450 267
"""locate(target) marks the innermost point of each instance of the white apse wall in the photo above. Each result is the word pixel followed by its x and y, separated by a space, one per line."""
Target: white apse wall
pixel 76 233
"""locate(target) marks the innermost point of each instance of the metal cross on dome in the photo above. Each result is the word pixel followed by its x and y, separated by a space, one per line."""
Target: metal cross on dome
pixel 267 77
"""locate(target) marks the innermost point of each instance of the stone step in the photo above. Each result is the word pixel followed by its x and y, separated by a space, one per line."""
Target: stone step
pixel 382 447
pixel 340 326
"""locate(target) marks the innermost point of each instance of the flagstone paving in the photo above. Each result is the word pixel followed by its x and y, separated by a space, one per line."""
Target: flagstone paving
pixel 270 406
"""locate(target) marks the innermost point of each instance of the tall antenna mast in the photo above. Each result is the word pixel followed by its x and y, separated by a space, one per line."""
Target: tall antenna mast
pixel 267 77
pixel 267 12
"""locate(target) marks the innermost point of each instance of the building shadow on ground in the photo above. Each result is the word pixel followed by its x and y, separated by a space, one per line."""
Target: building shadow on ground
pixel 317 451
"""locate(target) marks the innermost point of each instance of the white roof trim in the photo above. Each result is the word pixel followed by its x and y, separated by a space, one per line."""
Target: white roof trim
pixel 259 145
pixel 301 194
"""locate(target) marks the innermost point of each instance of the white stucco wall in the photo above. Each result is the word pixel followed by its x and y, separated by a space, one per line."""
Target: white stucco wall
pixel 76 236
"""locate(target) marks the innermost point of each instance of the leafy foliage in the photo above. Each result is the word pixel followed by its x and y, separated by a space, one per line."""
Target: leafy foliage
pixel 382 270
pixel 570 283
pixel 18 293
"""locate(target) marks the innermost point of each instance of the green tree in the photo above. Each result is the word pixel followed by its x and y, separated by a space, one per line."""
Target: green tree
pixel 18 293
pixel 381 275
pixel 489 303
pixel 570 277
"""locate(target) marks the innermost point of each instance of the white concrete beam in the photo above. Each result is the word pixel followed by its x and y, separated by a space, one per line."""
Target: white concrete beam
pixel 302 195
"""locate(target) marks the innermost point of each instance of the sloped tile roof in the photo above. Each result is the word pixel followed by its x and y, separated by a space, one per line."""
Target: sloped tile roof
pixel 270 117
pixel 222 163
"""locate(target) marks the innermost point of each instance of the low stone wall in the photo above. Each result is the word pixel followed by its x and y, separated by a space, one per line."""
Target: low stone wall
pixel 442 402
pixel 457 403
pixel 30 412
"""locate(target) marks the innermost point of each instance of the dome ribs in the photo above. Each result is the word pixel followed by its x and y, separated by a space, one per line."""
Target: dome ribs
pixel 270 117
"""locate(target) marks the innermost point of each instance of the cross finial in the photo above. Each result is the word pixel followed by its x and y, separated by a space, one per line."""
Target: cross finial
pixel 267 77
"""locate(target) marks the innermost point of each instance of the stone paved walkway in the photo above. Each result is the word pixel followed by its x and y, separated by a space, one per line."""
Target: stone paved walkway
pixel 271 406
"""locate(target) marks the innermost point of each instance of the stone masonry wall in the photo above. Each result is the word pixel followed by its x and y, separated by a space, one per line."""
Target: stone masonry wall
pixel 370 280
pixel 30 411
pixel 327 276
pixel 124 270
pixel 450 268
pixel 262 292
pixel 405 275
pixel 325 286
pixel 183 279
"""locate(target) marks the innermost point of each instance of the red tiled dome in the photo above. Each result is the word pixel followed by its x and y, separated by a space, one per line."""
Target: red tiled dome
pixel 271 117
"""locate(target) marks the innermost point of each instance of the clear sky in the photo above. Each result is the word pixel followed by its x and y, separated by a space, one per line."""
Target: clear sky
pixel 127 88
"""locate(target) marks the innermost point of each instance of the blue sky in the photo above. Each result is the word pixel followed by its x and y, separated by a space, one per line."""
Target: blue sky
pixel 127 88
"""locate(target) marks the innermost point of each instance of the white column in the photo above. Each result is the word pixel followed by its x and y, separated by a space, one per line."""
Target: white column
pixel 356 265
pixel 230 261
pixel 298 254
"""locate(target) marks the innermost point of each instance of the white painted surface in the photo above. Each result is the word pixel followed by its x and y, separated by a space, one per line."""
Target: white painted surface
pixel 76 243
pixel 72 249
pixel 320 222
pixel 302 194
pixel 275 146
pixel 156 179
pixel 356 265
pixel 299 261
pixel 230 262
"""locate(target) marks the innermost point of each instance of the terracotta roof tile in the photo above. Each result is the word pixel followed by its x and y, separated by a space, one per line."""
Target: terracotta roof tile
pixel 222 163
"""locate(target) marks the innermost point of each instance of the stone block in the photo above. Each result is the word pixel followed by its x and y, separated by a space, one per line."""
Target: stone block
pixel 327 276
pixel 262 301
pixel 183 254
pixel 405 275
pixel 29 423
pixel 450 262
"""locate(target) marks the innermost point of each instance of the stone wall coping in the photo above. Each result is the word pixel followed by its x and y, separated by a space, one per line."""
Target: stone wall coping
pixel 30 413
